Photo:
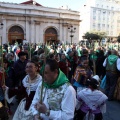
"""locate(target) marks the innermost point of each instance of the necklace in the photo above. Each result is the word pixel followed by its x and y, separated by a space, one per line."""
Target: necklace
pixel 29 83
pixel 33 77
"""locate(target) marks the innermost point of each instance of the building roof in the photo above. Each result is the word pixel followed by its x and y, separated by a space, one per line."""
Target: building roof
pixel 31 2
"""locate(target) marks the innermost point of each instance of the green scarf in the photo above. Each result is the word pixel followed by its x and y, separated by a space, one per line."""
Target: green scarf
pixel 112 59
pixel 69 58
pixel 61 79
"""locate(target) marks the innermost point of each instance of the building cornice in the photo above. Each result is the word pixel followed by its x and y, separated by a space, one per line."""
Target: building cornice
pixel 105 9
pixel 32 7
pixel 40 16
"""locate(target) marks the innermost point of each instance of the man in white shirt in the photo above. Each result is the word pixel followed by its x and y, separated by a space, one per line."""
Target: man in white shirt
pixel 55 98
pixel 112 64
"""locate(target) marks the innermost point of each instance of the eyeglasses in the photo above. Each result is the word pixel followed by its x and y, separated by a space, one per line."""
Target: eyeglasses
pixel 29 67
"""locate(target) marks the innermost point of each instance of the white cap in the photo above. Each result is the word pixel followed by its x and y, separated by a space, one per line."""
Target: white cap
pixel 96 77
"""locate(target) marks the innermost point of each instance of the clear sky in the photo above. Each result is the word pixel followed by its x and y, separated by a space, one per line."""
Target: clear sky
pixel 72 4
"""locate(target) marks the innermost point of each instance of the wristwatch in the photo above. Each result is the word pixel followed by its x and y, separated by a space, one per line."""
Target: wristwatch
pixel 47 112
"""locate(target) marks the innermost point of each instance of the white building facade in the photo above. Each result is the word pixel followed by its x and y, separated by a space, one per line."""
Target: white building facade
pixel 101 15
pixel 37 24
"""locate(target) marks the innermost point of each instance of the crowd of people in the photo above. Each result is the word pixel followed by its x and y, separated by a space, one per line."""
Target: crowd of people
pixel 58 82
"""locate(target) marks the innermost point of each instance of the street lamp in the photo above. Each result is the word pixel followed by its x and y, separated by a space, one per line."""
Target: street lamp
pixel 1 25
pixel 71 30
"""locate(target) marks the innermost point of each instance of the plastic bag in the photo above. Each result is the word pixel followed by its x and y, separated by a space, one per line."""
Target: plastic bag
pixel 103 83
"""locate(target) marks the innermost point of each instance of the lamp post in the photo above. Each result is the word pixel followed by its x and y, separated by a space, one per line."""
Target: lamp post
pixel 71 30
pixel 1 25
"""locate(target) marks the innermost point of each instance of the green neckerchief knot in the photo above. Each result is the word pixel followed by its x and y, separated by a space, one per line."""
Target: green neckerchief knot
pixel 63 60
pixel 93 57
pixel 61 79
pixel 7 70
pixel 10 61
pixel 112 59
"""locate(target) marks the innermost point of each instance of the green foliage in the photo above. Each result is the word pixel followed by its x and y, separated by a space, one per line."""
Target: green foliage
pixel 118 39
pixel 95 35
pixel 91 36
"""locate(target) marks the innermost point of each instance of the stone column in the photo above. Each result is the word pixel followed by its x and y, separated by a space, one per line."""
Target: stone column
pixel 65 33
pixel 4 32
pixel 32 32
pixel 60 31
pixel 41 33
pixel 27 32
pixel 37 31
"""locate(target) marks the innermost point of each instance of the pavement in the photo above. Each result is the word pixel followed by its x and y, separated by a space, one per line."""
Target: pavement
pixel 112 113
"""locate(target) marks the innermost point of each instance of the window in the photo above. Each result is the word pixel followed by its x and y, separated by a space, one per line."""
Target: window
pixel 111 32
pixel 103 18
pixel 103 25
pixel 94 17
pixel 99 18
pixel 107 26
pixel 98 25
pixel 93 25
pixel 94 11
pixel 104 12
pixel 112 8
pixel 99 11
pixel 97 5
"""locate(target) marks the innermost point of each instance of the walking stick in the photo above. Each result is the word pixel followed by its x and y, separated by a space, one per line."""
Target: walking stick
pixel 30 50
pixel 3 75
pixel 42 87
pixel 94 60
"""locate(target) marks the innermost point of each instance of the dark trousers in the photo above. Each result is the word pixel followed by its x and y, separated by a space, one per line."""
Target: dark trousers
pixel 3 113
pixel 80 115
pixel 111 81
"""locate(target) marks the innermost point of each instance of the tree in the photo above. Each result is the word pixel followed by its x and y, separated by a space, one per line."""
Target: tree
pixel 95 35
pixel 91 36
pixel 118 39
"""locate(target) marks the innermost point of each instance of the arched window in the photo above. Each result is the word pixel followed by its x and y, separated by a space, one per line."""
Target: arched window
pixel 51 36
pixel 15 34
pixel 51 31
pixel 16 29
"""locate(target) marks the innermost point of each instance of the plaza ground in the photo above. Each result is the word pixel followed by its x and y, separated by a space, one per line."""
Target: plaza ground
pixel 113 110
